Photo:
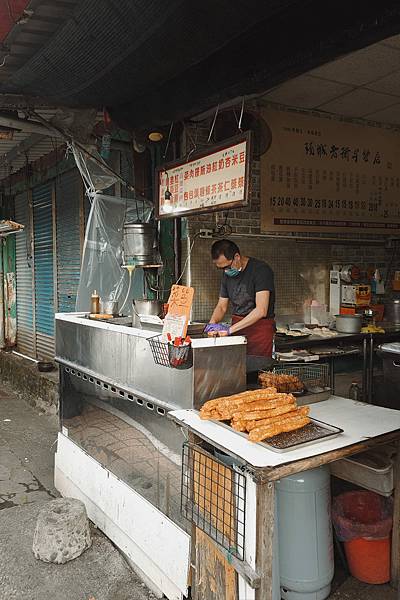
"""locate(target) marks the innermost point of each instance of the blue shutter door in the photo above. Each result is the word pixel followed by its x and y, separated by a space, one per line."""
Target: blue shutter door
pixel 44 270
pixel 24 273
pixel 68 220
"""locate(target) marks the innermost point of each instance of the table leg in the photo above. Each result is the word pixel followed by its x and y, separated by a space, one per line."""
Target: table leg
pixel 395 566
pixel 265 524
pixel 371 368
pixel 332 374
pixel 365 371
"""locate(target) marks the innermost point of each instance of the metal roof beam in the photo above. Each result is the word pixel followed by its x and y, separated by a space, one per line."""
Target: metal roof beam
pixel 20 101
pixel 29 126
pixel 21 149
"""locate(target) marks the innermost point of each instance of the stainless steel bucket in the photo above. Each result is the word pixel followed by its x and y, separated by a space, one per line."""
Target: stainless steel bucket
pixel 138 243
pixel 348 323
pixel 392 311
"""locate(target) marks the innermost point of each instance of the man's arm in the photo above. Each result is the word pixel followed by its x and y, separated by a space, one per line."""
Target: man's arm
pixel 259 312
pixel 220 310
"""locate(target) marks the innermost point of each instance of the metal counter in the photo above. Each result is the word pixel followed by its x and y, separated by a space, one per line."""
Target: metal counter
pixel 121 356
pixel 114 400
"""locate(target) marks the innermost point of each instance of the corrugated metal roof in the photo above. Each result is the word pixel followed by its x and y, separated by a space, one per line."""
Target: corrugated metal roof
pixel 9 227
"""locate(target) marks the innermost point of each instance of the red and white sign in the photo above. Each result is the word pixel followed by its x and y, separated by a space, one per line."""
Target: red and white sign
pixel 216 180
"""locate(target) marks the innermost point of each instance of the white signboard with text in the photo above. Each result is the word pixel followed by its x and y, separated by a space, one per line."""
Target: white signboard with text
pixel 216 180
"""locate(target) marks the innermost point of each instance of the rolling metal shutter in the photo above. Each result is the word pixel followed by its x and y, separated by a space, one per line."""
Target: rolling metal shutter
pixel 44 270
pixel 24 270
pixel 68 220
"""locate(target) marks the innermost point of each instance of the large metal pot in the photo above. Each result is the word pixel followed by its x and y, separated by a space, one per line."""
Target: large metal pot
pixel 392 311
pixel 348 323
pixel 138 243
pixel 148 307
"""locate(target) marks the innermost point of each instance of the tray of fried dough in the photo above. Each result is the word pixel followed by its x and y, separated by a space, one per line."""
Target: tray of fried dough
pixel 269 417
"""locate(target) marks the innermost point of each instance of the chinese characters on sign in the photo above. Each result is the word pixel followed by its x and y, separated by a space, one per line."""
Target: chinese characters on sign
pixel 215 180
pixel 179 306
pixel 326 175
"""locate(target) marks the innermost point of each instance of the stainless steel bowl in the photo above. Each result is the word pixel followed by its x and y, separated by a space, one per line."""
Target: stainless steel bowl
pixel 148 307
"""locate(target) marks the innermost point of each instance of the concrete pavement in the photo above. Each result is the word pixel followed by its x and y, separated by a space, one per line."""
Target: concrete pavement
pixel 27 446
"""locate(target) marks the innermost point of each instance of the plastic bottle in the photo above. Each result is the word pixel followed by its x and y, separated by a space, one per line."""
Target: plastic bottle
pixel 95 303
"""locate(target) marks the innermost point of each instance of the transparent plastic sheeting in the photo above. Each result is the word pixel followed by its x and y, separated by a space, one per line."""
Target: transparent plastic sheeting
pixel 94 175
pixel 103 252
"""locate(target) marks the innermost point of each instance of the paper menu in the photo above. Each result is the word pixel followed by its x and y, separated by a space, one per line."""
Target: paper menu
pixel 175 326
pixel 179 307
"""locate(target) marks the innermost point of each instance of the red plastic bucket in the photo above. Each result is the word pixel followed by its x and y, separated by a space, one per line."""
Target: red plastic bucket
pixel 363 521
pixel 369 560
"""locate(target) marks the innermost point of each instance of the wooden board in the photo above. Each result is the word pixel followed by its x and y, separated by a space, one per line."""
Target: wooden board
pixel 215 578
pixel 395 568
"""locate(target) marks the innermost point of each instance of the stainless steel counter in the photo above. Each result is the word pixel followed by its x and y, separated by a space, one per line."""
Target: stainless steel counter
pixel 114 400
pixel 121 356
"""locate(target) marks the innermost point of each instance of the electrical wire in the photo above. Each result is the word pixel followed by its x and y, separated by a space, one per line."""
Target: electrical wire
pixel 196 235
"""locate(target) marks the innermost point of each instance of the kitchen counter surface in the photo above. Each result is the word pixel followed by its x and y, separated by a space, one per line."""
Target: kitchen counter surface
pixel 392 333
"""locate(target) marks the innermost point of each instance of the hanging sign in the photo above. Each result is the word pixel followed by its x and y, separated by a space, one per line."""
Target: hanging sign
pixel 325 175
pixel 216 179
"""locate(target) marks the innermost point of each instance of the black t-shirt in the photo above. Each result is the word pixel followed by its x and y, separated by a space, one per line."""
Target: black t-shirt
pixel 241 290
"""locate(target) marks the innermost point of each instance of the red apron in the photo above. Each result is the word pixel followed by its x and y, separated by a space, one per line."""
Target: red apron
pixel 259 336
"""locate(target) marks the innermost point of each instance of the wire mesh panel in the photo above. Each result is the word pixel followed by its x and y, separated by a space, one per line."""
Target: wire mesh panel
pixel 312 375
pixel 168 355
pixel 214 498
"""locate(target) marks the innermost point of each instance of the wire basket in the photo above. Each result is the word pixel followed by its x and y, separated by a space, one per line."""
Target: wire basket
pixel 313 376
pixel 168 355
pixel 213 497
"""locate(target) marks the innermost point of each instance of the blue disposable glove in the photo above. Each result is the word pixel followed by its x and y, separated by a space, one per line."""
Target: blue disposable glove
pixel 217 328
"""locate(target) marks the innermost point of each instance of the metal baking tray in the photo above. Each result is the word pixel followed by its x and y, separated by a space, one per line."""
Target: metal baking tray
pixel 313 432
pixel 292 440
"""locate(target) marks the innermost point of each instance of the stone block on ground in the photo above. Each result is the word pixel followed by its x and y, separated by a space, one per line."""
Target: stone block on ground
pixel 62 531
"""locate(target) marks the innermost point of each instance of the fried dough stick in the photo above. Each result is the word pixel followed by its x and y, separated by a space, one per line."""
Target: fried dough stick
pixel 267 431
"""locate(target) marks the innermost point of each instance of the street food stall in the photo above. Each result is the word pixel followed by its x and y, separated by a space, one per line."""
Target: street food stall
pixel 185 497
pixel 212 485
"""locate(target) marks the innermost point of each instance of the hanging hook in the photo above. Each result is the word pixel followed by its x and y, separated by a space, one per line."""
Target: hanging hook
pixel 213 124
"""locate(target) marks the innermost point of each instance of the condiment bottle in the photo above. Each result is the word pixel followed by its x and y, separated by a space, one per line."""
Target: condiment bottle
pixel 95 303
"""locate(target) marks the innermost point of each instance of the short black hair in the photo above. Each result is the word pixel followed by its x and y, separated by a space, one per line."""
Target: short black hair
pixel 225 247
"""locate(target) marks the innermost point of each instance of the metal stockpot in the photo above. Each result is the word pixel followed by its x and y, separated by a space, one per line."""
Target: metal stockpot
pixel 348 323
pixel 138 243
pixel 392 311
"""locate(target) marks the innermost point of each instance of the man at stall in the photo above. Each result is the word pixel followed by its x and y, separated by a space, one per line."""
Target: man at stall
pixel 248 284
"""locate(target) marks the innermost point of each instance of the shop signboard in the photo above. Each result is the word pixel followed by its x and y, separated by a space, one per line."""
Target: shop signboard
pixel 216 179
pixel 327 175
